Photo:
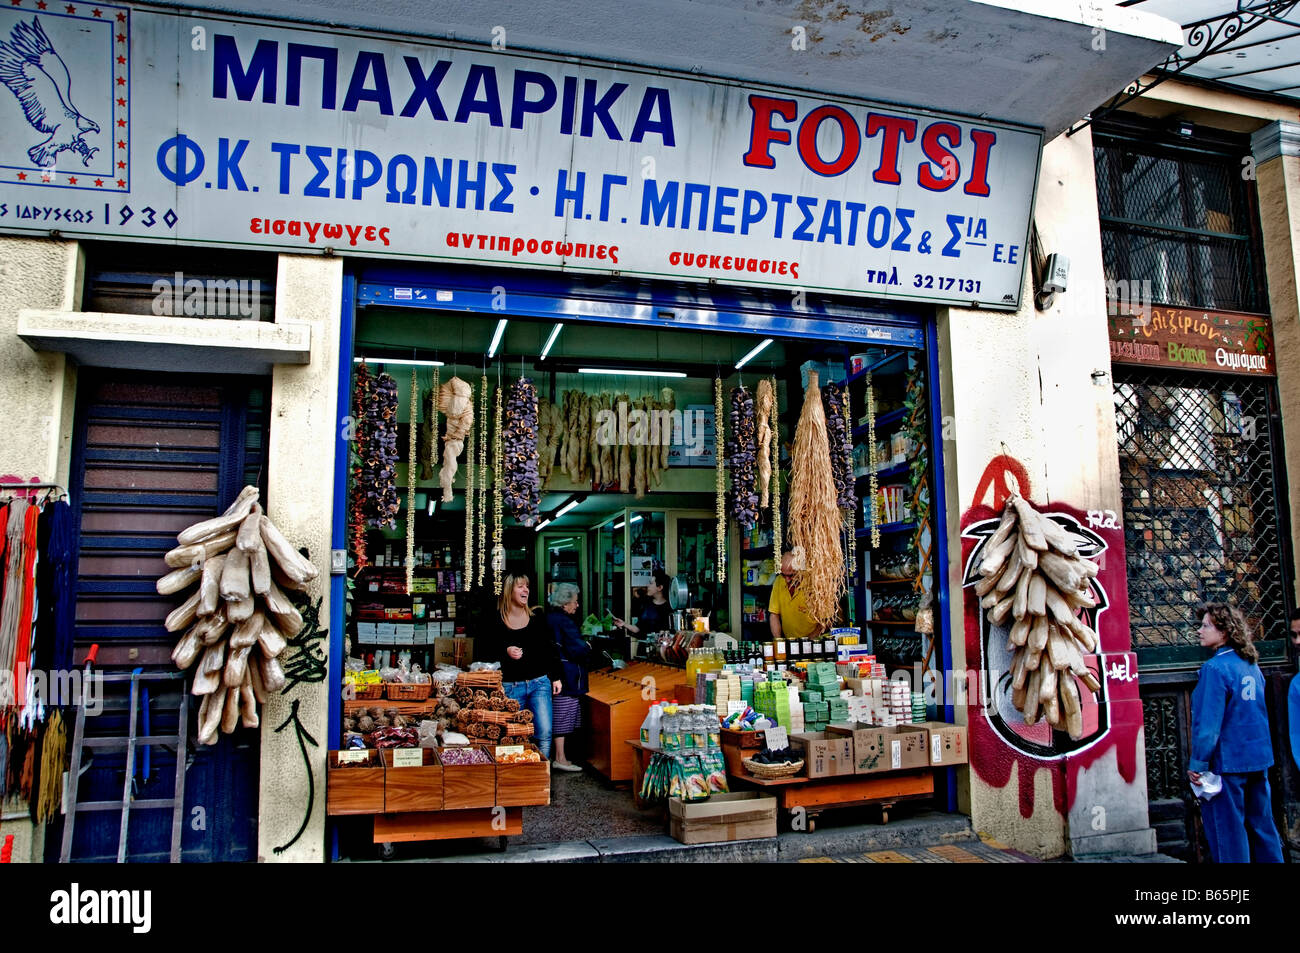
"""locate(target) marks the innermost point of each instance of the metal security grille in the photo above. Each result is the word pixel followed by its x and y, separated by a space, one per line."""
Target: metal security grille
pixel 1200 506
pixel 1166 778
pixel 1179 217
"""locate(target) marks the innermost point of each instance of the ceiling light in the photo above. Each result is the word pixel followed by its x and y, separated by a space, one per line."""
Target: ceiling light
pixel 433 504
pixel 538 527
pixel 555 333
pixel 566 508
pixel 629 372
pixel 620 524
pixel 752 354
pixel 404 363
pixel 496 337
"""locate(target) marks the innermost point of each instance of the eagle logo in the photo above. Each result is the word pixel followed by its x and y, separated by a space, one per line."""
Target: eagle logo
pixel 38 77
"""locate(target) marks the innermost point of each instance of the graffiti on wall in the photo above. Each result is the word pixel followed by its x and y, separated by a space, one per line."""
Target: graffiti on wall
pixel 1111 717
pixel 308 664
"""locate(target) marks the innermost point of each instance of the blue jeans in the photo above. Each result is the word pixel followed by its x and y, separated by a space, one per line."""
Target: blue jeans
pixel 1239 821
pixel 535 695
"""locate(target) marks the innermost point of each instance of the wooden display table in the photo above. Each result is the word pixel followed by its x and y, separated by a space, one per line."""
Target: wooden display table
pixel 617 701
pixel 448 825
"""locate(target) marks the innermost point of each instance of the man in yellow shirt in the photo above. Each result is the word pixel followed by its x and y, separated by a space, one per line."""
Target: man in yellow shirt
pixel 788 608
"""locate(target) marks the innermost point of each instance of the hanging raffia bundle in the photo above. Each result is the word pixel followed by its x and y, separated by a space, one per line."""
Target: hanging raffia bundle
pixel 814 518
pixel 456 401
pixel 765 397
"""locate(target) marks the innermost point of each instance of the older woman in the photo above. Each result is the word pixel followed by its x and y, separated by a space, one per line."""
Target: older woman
pixel 1230 737
pixel 574 655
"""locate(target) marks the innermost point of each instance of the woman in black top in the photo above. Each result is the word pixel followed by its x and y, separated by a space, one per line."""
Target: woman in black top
pixel 654 614
pixel 521 641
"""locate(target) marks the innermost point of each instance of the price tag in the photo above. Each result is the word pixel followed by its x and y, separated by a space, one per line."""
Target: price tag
pixel 354 756
pixel 736 708
pixel 503 750
pixel 408 757
pixel 777 738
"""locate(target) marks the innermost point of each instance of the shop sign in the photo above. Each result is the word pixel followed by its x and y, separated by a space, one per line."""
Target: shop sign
pixel 186 129
pixel 1220 342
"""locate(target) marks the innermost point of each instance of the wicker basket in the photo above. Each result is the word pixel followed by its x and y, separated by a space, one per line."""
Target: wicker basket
pixel 409 692
pixel 487 680
pixel 368 693
pixel 770 772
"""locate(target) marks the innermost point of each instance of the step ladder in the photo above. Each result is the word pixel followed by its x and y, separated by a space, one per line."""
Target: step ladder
pixel 133 740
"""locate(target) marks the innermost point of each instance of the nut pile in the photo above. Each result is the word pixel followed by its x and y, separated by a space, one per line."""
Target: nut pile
pixel 743 459
pixel 1033 575
pixel 521 486
pixel 238 621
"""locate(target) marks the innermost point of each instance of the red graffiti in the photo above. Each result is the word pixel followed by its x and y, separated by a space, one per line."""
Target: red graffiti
pixel 995 476
pixel 1112 719
pixel 11 478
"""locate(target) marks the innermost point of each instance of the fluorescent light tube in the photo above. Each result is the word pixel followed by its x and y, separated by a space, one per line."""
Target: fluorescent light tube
pixel 433 504
pixel 555 333
pixel 625 372
pixel 496 337
pixel 404 363
pixel 752 354
pixel 538 527
pixel 566 507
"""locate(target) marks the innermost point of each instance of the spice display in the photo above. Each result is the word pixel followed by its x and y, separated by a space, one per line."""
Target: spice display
pixel 378 479
pixel 519 476
pixel 814 519
pixel 1034 576
pixel 527 756
pixel 456 401
pixel 393 737
pixel 776 471
pixel 238 620
pixel 721 487
pixel 481 503
pixel 463 756
pixel 498 550
pixel 413 430
pixel 743 457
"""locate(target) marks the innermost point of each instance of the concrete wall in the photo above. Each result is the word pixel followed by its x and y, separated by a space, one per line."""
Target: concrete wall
pixel 1022 386
pixel 38 393
pixel 300 494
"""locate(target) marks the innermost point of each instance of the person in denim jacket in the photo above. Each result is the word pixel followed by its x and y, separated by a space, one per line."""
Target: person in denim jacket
pixel 1293 696
pixel 1230 737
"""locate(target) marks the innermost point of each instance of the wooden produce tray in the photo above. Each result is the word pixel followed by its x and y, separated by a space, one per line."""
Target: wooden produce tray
pixel 402 708
pixel 818 794
pixel 469 785
pixel 354 790
pixel 527 784
pixel 415 788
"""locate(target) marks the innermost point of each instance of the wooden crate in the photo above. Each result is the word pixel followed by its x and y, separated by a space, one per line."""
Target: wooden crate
pixel 416 788
pixel 354 790
pixel 519 785
pixel 739 745
pixel 615 706
pixel 469 785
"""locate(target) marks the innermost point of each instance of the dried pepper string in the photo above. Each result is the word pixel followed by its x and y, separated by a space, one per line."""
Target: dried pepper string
pixel 873 460
pixel 853 536
pixel 357 519
pixel 411 475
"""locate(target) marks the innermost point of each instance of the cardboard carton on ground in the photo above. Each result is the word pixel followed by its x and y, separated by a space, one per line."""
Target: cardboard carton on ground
pixel 947 743
pixel 876 749
pixel 745 815
pixel 825 756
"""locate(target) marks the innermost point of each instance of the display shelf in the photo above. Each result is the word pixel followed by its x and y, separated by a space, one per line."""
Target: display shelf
pixel 898 469
pixel 889 622
pixel 891 582
pixel 872 368
pixel 887 528
pixel 882 420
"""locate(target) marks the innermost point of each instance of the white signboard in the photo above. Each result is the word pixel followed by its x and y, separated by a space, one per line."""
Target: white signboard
pixel 123 123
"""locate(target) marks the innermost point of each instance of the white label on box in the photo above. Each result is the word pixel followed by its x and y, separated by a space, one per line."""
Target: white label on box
pixel 936 750
pixel 777 738
pixel 503 750
pixel 896 754
pixel 408 757
pixel 352 757
pixel 735 708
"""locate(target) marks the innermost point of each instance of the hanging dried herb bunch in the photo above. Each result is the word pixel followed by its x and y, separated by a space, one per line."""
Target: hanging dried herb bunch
pixel 776 472
pixel 522 487
pixel 815 519
pixel 481 517
pixel 838 432
pixel 498 549
pixel 456 401
pixel 413 430
pixel 467 577
pixel 357 452
pixel 873 464
pixel 379 461
pixel 719 442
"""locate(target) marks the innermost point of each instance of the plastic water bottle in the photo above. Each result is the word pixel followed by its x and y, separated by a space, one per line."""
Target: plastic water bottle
pixel 650 727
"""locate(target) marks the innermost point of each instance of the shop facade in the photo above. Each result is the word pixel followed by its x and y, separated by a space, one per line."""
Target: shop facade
pixel 1009 399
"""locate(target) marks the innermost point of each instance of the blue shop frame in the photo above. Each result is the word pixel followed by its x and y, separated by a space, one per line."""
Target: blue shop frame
pixel 632 302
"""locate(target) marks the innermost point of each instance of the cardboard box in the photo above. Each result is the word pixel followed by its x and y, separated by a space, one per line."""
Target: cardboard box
pixel 825 756
pixel 875 749
pixel 947 744
pixel 458 652
pixel 745 815
pixel 386 631
pixel 367 633
pixel 421 634
pixel 404 634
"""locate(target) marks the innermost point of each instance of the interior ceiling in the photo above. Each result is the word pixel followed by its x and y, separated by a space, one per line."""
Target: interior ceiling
pixel 1248 44
pixel 1030 62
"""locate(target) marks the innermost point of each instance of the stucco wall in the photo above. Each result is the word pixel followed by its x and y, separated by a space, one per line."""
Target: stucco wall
pixel 38 394
pixel 1021 387
pixel 300 493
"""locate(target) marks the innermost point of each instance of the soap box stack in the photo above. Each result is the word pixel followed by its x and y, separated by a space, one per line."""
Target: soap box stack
pixel 727 690
pixel 772 700
pixel 898 704
pixel 797 723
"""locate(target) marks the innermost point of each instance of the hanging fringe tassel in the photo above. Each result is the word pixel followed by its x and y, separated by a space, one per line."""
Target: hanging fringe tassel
pixel 54 761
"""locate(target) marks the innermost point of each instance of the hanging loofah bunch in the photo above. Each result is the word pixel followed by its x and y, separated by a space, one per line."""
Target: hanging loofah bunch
pixel 815 519
pixel 763 408
pixel 456 401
